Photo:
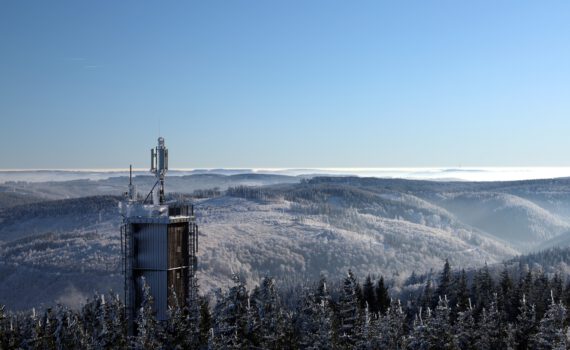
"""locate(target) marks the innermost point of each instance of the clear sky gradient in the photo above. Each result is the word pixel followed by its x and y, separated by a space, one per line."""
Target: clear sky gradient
pixel 309 83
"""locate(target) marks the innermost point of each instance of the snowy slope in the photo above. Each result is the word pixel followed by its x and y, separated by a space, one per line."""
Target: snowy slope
pixel 293 229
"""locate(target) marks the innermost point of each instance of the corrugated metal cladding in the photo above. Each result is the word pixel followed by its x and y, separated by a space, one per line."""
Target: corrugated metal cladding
pixel 178 279
pixel 161 254
pixel 178 245
pixel 157 282
pixel 151 246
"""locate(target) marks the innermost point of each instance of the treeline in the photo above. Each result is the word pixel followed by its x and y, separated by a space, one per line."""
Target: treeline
pixel 73 206
pixel 453 311
pixel 249 192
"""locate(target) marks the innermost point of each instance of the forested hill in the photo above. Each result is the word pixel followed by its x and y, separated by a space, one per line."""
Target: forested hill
pixel 288 228
pixel 552 260
pixel 521 309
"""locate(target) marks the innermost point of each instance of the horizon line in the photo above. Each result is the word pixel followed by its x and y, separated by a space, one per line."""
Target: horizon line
pixel 514 167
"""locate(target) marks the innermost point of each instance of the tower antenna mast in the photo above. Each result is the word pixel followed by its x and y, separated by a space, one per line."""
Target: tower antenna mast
pixel 159 167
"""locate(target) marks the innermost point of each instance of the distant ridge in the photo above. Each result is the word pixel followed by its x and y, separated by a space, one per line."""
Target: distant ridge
pixel 475 174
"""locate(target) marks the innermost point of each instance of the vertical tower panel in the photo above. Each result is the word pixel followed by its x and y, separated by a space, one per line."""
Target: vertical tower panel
pixel 151 246
pixel 178 245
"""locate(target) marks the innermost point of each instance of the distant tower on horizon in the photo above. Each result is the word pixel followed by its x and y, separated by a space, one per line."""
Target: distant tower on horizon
pixel 159 242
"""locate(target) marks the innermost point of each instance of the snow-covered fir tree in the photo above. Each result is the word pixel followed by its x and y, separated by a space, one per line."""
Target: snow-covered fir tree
pixel 349 314
pixel 270 314
pixel 525 325
pixel 552 329
pixel 491 332
pixel 464 334
pixel 391 328
pixel 314 318
pixel 440 331
pixel 418 337
pixel 230 317
pixel 176 329
pixel 148 333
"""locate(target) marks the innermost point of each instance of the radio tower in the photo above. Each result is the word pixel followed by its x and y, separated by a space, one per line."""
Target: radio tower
pixel 159 242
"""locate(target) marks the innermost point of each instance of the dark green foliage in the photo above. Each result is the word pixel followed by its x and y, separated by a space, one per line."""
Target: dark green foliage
pixel 230 317
pixel 382 296
pixel 525 325
pixel 349 311
pixel 461 293
pixel 464 337
pixel 491 333
pixel 148 333
pixel 551 334
pixel 369 295
pixel 484 288
pixel 321 316
pixel 444 284
pixel 505 290
pixel 205 321
pixel 427 299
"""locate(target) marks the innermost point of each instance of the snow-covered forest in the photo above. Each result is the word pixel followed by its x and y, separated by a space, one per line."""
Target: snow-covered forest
pixel 518 306
pixel 59 241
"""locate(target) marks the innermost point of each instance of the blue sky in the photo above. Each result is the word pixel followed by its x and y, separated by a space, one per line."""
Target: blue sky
pixel 88 84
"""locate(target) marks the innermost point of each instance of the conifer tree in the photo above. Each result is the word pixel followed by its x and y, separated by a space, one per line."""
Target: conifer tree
pixel 556 287
pixel 462 294
pixel 526 324
pixel 304 320
pixel 382 296
pixel 419 337
pixel 7 338
pixel 482 336
pixel 432 330
pixel 322 291
pixel 254 330
pixel 90 319
pixel 64 329
pixel 230 317
pixel 540 294
pixel 116 321
pixel 440 333
pixel 566 293
pixel 491 331
pixel 514 300
pixel 464 337
pixel 427 296
pixel 484 288
pixel 444 284
pixel 504 293
pixel 269 313
pixel 148 334
pixel 176 332
pixel 526 285
pixel 3 328
pixel 316 319
pixel 192 312
pixel 48 324
pixel 348 312
pixel 205 321
pixel 34 331
pixel 511 341
pixel 363 334
pixel 359 296
pixel 552 330
pixel 369 295
pixel 392 327
pixel 15 331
